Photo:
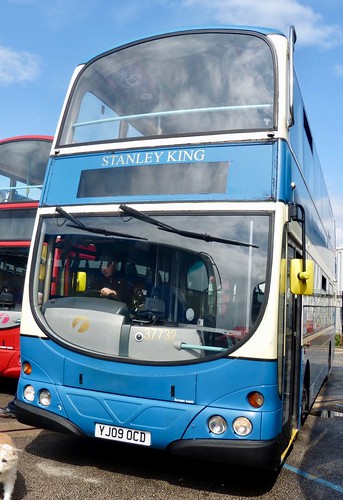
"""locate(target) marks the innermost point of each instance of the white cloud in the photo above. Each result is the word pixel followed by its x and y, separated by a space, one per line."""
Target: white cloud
pixel 309 24
pixel 17 67
pixel 338 69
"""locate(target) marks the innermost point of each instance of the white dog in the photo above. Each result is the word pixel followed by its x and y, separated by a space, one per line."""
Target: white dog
pixel 8 464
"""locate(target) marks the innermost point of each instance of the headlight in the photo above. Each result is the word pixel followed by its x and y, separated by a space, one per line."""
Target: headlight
pixel 242 426
pixel 44 397
pixel 217 424
pixel 29 393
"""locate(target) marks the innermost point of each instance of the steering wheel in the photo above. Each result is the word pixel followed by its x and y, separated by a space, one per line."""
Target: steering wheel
pixel 92 293
pixel 97 294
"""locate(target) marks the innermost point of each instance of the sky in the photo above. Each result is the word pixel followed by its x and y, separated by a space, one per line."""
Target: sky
pixel 42 41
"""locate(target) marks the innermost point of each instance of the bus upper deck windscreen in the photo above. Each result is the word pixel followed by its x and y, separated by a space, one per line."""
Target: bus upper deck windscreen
pixel 186 83
pixel 23 161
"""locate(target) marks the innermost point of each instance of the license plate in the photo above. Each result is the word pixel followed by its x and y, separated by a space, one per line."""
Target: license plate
pixel 122 434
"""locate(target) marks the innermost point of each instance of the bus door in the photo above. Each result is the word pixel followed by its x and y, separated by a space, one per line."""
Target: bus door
pixel 292 359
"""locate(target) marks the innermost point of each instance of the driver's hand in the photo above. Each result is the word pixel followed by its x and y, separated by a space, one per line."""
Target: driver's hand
pixel 106 292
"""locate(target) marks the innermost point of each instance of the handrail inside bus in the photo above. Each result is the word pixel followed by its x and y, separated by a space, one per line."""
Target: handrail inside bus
pixel 18 188
pixel 171 113
pixel 184 345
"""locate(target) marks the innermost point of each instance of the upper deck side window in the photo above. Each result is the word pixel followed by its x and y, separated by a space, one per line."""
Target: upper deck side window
pixel 182 84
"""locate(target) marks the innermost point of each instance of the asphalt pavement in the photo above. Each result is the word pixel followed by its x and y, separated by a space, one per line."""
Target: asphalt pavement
pixel 57 466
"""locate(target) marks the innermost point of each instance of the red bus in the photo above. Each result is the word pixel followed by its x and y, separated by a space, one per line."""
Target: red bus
pixel 23 163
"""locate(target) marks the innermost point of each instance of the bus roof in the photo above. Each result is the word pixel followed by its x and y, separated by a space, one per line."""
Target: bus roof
pixel 192 29
pixel 26 138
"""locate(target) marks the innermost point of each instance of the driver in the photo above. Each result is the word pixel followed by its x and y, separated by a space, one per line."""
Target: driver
pixel 113 286
pixel 108 269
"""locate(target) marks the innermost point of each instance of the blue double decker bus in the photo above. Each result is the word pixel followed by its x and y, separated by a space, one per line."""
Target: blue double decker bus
pixel 184 162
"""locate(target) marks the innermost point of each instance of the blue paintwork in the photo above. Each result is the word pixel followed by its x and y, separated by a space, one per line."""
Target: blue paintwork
pixel 243 184
pixel 138 396
pixel 256 172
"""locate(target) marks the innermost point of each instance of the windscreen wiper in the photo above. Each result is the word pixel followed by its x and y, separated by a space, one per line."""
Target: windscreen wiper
pixel 97 230
pixel 136 214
